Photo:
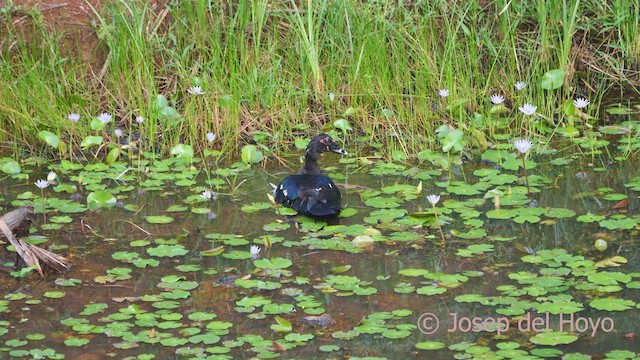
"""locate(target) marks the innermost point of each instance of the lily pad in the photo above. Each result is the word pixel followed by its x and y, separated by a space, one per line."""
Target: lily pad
pixel 553 338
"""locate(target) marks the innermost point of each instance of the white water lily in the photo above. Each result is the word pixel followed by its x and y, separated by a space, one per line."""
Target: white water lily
pixel 195 90
pixel 433 199
pixel 497 99
pixel 51 177
pixel 443 92
pixel 206 194
pixel 210 137
pixel 104 117
pixel 528 109
pixel 522 145
pixel 74 117
pixel 581 103
pixel 255 250
pixel 520 85
pixel 41 184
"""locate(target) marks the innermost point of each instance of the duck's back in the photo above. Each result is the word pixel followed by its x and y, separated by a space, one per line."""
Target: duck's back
pixel 315 195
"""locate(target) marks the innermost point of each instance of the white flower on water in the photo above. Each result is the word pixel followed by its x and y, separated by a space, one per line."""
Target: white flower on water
pixel 497 99
pixel 522 145
pixel 195 90
pixel 211 137
pixel 74 117
pixel 443 92
pixel 520 85
pixel 52 176
pixel 528 109
pixel 255 252
pixel 117 132
pixel 139 119
pixel 104 117
pixel 433 199
pixel 207 194
pixel 42 184
pixel 581 103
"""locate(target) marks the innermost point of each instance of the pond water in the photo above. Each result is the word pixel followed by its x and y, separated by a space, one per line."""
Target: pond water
pixel 189 288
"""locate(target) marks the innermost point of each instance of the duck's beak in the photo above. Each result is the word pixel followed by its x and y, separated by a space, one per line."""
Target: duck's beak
pixel 340 151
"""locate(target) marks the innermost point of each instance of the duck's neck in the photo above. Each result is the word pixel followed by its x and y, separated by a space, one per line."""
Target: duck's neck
pixel 311 166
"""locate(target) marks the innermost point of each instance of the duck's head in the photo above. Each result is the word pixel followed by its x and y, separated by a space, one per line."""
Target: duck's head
pixel 323 143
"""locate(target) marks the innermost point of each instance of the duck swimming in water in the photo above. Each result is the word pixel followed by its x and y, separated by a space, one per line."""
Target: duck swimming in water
pixel 310 192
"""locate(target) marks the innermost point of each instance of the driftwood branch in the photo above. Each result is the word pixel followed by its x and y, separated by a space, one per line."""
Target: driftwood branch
pixel 18 221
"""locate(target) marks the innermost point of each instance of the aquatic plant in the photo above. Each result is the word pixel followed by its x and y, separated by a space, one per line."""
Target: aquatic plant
pixel 497 99
pixel 523 146
pixel 581 103
pixel 443 93
pixel 195 90
pixel 433 200
pixel 528 109
pixel 248 94
pixel 520 85
pixel 43 184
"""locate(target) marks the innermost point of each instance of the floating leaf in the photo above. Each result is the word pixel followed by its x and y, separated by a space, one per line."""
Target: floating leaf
pixel 75 341
pixel 553 338
pixel 612 304
pixel 283 325
pixel 619 224
pixel 54 294
pixel 101 199
pixel 167 250
pixel 275 263
pixel 159 219
pixel 430 345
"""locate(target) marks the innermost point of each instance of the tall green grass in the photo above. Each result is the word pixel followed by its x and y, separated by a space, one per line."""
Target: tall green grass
pixel 267 68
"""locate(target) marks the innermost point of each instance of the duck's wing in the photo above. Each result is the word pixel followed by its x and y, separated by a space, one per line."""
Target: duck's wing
pixel 309 195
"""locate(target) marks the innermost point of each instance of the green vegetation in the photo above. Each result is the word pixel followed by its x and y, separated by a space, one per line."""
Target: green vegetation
pixel 505 264
pixel 267 72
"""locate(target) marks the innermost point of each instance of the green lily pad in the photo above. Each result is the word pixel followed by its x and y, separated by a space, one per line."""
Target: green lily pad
pixel 100 199
pixel 275 263
pixel 612 304
pixel 553 338
pixel 159 219
pixel 167 250
pixel 430 345
pixel 54 294
pixel 619 224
